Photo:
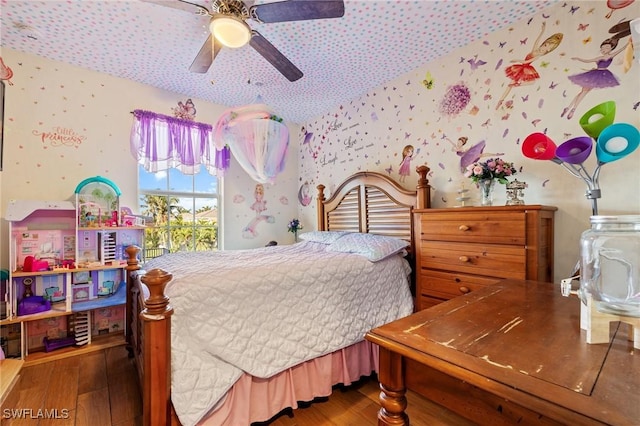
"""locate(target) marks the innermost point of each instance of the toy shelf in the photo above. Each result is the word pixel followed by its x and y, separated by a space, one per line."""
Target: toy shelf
pixel 57 310
pixel 109 228
pixel 19 273
pixel 112 265
pixel 97 343
pixel 117 298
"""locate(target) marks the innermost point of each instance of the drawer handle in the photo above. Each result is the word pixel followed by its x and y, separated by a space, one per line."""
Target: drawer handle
pixel 463 228
pixel 463 259
pixel 464 290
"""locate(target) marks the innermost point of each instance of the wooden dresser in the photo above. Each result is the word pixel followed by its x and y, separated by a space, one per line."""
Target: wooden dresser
pixel 460 250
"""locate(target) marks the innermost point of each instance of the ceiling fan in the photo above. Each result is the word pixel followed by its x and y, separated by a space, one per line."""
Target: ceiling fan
pixel 228 27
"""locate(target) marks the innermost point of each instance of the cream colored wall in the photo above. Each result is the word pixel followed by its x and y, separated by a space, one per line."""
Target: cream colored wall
pixel 271 224
pixel 64 124
pixel 369 133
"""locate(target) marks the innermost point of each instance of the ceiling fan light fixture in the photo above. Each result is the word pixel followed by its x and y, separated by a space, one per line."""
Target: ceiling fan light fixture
pixel 230 30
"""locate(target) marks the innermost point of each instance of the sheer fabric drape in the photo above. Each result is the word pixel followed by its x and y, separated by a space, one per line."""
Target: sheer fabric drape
pixel 160 142
pixel 257 139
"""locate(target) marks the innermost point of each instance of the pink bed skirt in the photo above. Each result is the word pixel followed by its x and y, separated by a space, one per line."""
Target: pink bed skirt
pixel 254 400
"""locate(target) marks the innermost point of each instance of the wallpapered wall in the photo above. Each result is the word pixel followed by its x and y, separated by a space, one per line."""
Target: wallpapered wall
pixel 469 95
pixel 63 124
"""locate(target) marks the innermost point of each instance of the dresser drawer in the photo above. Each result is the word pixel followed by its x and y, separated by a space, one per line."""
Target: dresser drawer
pixel 475 227
pixel 498 261
pixel 447 285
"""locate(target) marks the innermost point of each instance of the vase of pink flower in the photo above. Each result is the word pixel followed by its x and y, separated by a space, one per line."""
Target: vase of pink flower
pixel 486 173
pixel 486 191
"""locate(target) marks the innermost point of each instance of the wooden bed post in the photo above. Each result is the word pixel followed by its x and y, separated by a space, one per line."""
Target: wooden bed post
pixel 156 318
pixel 322 226
pixel 423 188
pixel 132 266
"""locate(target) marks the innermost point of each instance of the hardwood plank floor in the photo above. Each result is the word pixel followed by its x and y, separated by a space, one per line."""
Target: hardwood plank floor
pixel 101 389
pixel 94 389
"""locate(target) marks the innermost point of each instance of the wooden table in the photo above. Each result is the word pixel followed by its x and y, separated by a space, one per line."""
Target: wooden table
pixel 509 353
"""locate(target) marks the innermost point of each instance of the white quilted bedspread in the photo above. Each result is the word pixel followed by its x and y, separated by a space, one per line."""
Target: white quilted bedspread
pixel 264 310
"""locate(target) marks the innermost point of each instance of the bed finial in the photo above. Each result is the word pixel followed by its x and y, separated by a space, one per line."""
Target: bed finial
pixel 132 261
pixel 320 203
pixel 156 318
pixel 158 302
pixel 423 188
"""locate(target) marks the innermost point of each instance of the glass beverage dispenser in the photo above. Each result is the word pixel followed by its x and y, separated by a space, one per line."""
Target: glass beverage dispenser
pixel 610 264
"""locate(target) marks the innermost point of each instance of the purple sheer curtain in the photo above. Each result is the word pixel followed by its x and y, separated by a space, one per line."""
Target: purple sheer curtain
pixel 160 142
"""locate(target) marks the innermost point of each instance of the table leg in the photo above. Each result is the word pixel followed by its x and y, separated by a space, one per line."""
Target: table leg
pixel 393 401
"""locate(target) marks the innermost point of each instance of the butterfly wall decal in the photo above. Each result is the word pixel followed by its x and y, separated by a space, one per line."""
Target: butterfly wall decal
pixel 475 62
pixel 428 81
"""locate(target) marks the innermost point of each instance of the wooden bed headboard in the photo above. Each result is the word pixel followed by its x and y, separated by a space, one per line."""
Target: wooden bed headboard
pixel 372 202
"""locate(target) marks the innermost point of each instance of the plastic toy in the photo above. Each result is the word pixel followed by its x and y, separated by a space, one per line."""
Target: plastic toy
pixel 31 264
pixel 52 344
pixel 106 289
pixel 97 198
pixel 33 305
pixel 54 294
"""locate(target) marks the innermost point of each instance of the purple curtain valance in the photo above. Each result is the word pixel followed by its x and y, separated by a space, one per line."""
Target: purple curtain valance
pixel 160 142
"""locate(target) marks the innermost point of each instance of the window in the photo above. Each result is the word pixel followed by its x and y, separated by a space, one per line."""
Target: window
pixel 182 211
pixel 178 190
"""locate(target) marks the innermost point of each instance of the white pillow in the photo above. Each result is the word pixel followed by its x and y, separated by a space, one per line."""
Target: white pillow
pixel 373 247
pixel 323 237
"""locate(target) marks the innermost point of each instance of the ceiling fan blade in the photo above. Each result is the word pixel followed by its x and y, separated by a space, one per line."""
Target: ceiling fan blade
pixel 297 10
pixel 274 56
pixel 206 55
pixel 181 5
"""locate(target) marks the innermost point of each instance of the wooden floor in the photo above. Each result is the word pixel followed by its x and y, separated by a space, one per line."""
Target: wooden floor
pixel 95 389
pixel 100 389
pixel 357 405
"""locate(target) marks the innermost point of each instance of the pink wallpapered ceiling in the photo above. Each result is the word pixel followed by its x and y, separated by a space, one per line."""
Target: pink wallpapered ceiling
pixel 341 58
